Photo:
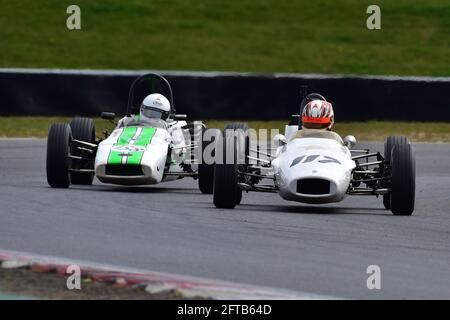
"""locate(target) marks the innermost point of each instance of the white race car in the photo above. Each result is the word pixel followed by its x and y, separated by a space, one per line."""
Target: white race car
pixel 314 166
pixel 137 152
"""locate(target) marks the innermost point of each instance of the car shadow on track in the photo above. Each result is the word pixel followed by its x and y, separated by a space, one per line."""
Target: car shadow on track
pixel 130 189
pixel 307 209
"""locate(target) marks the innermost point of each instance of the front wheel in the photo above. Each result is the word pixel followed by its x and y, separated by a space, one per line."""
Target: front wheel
pixel 403 180
pixel 388 146
pixel 225 175
pixel 58 162
pixel 243 148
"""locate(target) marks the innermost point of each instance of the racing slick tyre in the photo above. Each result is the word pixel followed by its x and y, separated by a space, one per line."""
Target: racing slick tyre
pixel 403 172
pixel 388 145
pixel 244 141
pixel 83 129
pixel 225 175
pixel 58 161
pixel 206 168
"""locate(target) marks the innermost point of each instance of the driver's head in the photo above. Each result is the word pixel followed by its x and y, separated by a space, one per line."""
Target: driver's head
pixel 318 114
pixel 155 106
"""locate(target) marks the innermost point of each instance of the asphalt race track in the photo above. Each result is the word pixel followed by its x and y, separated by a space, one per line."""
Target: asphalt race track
pixel 266 241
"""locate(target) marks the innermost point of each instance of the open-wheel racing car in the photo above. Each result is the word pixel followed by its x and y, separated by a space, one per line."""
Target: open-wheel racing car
pixel 137 152
pixel 313 166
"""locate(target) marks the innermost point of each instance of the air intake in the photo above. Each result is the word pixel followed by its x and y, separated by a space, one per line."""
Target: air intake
pixel 313 186
pixel 123 170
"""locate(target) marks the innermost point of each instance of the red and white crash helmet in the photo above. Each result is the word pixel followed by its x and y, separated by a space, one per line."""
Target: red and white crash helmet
pixel 318 114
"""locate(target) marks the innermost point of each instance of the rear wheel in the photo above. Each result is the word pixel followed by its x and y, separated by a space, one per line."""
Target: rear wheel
pixel 83 129
pixel 58 162
pixel 403 185
pixel 206 167
pixel 388 146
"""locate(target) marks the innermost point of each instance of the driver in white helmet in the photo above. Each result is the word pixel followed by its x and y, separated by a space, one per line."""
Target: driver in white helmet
pixel 154 110
pixel 318 115
pixel 155 106
pixel 317 119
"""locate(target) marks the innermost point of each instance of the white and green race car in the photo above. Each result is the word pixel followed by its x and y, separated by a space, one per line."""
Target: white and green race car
pixel 137 152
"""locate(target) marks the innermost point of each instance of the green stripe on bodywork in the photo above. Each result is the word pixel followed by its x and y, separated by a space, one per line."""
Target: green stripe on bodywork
pixel 127 134
pixel 115 158
pixel 124 139
pixel 134 158
pixel 144 139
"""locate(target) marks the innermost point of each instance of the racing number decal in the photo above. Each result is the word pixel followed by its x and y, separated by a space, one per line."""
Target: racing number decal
pixel 132 137
pixel 325 159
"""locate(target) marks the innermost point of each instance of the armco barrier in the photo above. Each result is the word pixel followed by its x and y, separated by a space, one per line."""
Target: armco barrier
pixel 226 95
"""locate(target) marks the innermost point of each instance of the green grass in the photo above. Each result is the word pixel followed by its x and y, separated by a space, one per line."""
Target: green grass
pixel 247 35
pixel 363 131
pixel 37 127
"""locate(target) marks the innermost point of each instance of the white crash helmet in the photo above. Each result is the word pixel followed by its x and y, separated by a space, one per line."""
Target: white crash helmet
pixel 155 106
pixel 318 114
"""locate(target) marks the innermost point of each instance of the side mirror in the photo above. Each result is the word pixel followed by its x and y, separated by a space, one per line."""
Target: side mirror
pixel 279 140
pixel 350 141
pixel 108 115
pixel 295 120
pixel 179 116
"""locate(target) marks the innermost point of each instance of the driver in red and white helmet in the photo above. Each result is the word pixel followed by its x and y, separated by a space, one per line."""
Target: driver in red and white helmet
pixel 318 114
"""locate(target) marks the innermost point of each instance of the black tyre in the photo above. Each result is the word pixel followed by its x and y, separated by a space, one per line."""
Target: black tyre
pixel 403 185
pixel 206 170
pixel 246 139
pixel 388 146
pixel 83 129
pixel 391 142
pixel 243 151
pixel 225 175
pixel 58 162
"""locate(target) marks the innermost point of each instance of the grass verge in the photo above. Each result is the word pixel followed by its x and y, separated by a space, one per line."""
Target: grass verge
pixel 321 36
pixel 42 285
pixel 25 127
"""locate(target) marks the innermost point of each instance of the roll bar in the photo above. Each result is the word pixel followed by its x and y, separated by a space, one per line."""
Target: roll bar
pixel 151 77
